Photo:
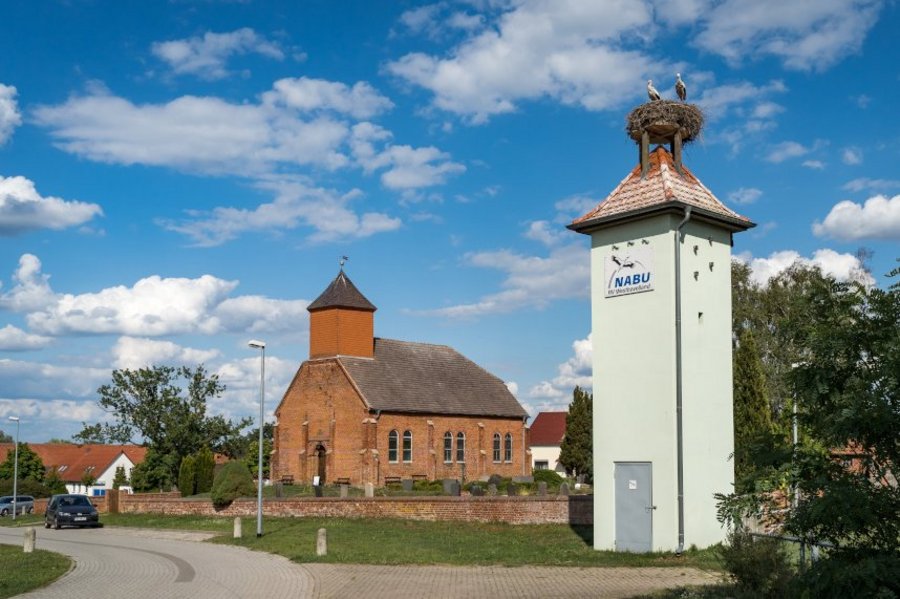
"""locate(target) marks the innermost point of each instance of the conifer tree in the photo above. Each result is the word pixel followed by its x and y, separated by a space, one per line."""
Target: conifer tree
pixel 576 451
pixel 187 476
pixel 752 417
pixel 204 469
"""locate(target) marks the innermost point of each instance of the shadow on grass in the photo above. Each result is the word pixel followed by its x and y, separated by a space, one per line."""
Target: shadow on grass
pixel 585 532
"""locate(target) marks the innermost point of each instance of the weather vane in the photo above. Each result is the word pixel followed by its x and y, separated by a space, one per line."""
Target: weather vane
pixel 343 261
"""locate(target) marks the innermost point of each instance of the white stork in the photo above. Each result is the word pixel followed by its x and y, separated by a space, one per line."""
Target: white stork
pixel 651 91
pixel 680 88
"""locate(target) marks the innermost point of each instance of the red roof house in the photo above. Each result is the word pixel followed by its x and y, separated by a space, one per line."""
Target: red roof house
pixel 546 435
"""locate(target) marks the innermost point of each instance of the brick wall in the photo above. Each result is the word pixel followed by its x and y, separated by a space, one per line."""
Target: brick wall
pixel 341 331
pixel 576 509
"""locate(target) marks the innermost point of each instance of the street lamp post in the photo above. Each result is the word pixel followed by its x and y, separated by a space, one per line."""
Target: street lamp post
pixel 261 346
pixel 15 468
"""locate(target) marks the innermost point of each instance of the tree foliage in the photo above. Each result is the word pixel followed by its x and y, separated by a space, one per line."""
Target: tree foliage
pixel 155 472
pixel 30 464
pixel 120 479
pixel 752 417
pixel 166 409
pixel 251 454
pixel 847 386
pixel 577 451
pixel 187 477
pixel 232 481
pixel 54 482
pixel 4 438
pixel 204 469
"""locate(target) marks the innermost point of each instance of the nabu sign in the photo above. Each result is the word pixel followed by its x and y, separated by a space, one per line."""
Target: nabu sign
pixel 629 270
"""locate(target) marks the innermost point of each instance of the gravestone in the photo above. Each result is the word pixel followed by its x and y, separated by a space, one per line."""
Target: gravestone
pixel 564 489
pixel 455 488
pixel 370 490
pixel 476 491
pixel 542 489
pixel 523 479
pixel 511 490
pixel 492 489
pixel 407 484
pixel 345 491
pixel 279 490
pixel 318 490
pixel 448 485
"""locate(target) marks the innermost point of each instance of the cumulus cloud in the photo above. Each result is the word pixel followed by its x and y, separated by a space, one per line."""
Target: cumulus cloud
pixel 545 233
pixel 49 381
pixel 241 379
pixel 852 156
pixel 296 204
pixel 206 56
pixel 361 101
pixel 877 218
pixel 51 412
pixel 529 281
pixel 744 195
pixel 570 52
pixel 843 267
pixel 576 371
pixel 10 118
pixel 15 339
pixel 732 98
pixel 803 35
pixel 136 352
pixel 23 209
pixel 785 151
pixel 153 306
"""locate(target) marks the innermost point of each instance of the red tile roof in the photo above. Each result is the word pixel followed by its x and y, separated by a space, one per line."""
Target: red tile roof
pixel 548 428
pixel 662 188
pixel 78 458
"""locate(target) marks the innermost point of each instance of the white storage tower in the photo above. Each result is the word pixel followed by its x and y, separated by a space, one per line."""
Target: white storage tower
pixel 661 319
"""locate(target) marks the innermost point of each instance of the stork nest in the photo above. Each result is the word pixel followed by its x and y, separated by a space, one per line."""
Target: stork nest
pixel 662 118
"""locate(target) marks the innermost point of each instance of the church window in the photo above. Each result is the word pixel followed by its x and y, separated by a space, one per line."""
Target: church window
pixel 407 446
pixel 392 446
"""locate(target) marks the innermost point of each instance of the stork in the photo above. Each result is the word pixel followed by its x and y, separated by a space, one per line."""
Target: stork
pixel 651 91
pixel 680 88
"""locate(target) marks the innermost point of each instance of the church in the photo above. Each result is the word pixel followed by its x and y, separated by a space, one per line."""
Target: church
pixel 363 409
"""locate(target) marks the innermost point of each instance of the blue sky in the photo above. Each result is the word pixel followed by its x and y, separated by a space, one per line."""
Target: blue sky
pixel 178 178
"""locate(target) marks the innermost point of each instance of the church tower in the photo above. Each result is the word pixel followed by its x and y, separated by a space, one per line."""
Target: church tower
pixel 341 321
pixel 661 321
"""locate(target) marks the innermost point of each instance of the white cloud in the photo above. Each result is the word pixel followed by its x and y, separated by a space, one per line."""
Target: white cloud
pixel 545 233
pixel 843 267
pixel 865 183
pixel 23 209
pixel 206 56
pixel 241 379
pixel 135 352
pixel 568 51
pixel 852 156
pixel 576 371
pixel 32 290
pixel 785 151
pixel 529 281
pixel 814 164
pixel 35 380
pixel 50 412
pixel 10 118
pixel 878 218
pixel 744 195
pixel 153 306
pixel 296 204
pixel 731 98
pixel 803 35
pixel 15 339
pixel 361 101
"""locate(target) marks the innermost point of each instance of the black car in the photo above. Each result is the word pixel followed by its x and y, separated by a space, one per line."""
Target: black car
pixel 70 510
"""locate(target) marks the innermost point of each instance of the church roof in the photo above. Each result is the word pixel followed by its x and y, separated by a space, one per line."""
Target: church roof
pixel 342 293
pixel 662 188
pixel 433 379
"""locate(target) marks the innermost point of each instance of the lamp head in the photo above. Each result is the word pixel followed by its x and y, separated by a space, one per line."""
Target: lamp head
pixel 256 344
pixel 14 418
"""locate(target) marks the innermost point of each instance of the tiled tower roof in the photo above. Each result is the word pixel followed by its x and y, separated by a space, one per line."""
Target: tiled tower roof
pixel 662 189
pixel 342 293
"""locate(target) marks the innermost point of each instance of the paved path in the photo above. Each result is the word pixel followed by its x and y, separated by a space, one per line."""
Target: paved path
pixel 136 564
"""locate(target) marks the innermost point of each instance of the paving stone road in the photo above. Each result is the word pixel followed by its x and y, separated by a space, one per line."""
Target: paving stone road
pixel 125 563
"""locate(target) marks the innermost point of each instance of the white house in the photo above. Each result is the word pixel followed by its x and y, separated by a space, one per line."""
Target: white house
pixel 545 437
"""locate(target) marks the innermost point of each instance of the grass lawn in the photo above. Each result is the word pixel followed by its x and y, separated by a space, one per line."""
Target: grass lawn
pixel 382 541
pixel 24 572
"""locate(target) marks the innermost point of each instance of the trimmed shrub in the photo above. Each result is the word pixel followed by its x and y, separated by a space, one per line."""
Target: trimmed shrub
pixel 187 479
pixel 233 480
pixel 758 565
pixel 551 477
pixel 205 470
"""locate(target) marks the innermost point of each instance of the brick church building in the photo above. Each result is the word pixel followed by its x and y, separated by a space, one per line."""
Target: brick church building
pixel 365 409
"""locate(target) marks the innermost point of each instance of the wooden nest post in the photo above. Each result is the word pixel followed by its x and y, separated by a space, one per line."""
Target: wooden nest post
pixel 664 122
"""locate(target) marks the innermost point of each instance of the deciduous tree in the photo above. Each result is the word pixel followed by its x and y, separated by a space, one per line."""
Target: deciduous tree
pixel 30 464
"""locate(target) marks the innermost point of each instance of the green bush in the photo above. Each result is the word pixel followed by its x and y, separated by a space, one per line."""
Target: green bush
pixel 187 479
pixel 551 477
pixel 54 482
pixel 233 480
pixel 852 573
pixel 204 468
pixel 29 486
pixel 758 565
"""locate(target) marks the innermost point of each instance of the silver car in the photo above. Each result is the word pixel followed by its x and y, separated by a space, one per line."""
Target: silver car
pixel 24 504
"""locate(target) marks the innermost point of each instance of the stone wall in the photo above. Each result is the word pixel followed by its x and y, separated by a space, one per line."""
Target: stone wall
pixel 576 509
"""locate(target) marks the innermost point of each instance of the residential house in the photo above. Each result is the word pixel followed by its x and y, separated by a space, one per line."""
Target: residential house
pixel 546 435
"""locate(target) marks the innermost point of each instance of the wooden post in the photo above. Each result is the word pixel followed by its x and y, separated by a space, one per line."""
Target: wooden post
pixel 645 153
pixel 676 151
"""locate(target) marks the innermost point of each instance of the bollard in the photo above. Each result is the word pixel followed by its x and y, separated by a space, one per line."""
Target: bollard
pixel 237 527
pixel 321 543
pixel 29 539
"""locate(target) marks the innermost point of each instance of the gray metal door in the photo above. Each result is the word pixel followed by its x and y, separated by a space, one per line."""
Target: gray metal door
pixel 634 506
